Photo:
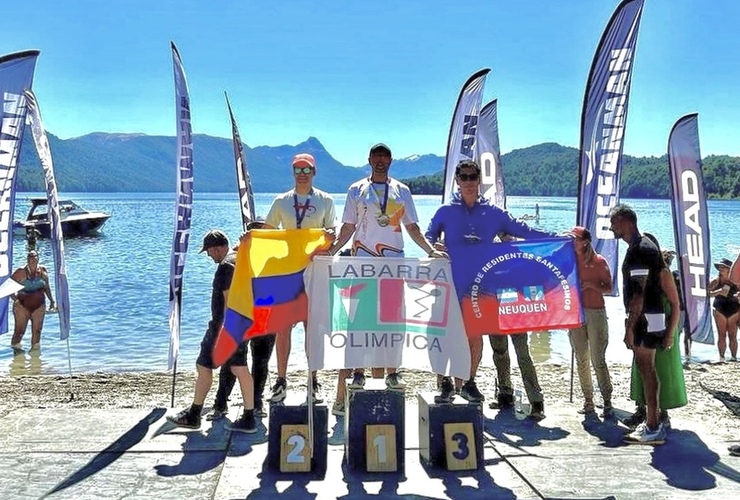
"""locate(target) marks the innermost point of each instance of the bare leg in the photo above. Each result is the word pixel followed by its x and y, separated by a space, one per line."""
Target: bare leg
pixel 246 384
pixel 37 323
pixel 476 353
pixel 645 359
pixel 721 323
pixel 21 322
pixel 342 383
pixel 282 344
pixel 202 384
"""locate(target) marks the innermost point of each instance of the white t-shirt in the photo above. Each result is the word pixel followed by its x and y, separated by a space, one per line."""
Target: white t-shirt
pixel 363 207
pixel 316 208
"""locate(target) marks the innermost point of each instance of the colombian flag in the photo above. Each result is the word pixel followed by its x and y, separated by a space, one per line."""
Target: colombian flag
pixel 267 292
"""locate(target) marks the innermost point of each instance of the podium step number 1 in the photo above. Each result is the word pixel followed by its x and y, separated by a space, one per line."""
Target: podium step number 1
pixel 380 446
pixel 295 452
pixel 460 446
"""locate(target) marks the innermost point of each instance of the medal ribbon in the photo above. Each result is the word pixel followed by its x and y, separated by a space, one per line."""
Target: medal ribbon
pixel 299 216
pixel 384 205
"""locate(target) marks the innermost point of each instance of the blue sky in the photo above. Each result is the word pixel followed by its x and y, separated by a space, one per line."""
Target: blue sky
pixel 353 73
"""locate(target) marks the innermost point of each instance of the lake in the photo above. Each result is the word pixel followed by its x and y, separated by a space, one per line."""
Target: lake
pixel 119 280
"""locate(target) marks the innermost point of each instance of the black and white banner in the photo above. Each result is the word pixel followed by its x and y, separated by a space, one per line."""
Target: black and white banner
pixel 461 143
pixel 244 183
pixel 61 285
pixel 603 123
pixel 488 155
pixel 691 226
pixel 16 75
pixel 184 207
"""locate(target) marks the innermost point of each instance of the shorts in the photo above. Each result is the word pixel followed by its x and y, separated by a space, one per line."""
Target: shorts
pixel 648 340
pixel 205 358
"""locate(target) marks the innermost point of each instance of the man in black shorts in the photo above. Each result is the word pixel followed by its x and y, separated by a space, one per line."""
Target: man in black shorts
pixel 646 281
pixel 216 245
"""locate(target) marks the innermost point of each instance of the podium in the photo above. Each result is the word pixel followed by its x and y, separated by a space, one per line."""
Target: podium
pixel 450 435
pixel 374 428
pixel 289 447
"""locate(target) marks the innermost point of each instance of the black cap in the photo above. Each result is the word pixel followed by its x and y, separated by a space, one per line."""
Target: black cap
pixel 214 238
pixel 257 223
pixel 380 147
pixel 723 263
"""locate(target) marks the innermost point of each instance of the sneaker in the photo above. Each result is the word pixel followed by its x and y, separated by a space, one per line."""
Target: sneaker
pixel 471 393
pixel 245 423
pixel 279 390
pixel 734 450
pixel 358 381
pixel 665 420
pixel 503 401
pixel 338 408
pixel 259 410
pixel 395 382
pixel 538 411
pixel 186 418
pixel 217 414
pixel 317 400
pixel 636 418
pixel 447 392
pixel 645 435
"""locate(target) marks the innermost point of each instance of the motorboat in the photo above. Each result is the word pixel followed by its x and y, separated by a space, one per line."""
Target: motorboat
pixel 76 221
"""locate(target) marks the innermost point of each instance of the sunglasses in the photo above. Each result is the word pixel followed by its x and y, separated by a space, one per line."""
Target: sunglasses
pixel 468 177
pixel 302 170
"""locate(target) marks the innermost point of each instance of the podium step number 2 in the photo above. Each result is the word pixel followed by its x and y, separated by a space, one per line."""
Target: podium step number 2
pixel 460 446
pixel 380 445
pixel 295 452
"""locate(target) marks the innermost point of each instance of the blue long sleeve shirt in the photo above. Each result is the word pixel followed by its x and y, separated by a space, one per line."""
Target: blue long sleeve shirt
pixel 461 224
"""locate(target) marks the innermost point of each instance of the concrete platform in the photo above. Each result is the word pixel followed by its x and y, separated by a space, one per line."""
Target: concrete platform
pixel 95 454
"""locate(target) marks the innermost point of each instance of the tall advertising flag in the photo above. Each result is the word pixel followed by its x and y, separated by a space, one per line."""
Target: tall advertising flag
pixel 691 226
pixel 184 207
pixel 246 196
pixel 461 143
pixel 16 75
pixel 603 123
pixel 55 219
pixel 488 155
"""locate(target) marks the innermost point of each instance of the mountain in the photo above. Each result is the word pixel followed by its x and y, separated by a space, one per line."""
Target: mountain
pixel 101 162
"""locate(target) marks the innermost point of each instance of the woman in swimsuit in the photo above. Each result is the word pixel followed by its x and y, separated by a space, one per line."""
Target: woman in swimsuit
pixel 30 303
pixel 725 308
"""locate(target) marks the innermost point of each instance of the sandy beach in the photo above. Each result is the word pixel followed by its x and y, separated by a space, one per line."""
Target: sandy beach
pixel 153 389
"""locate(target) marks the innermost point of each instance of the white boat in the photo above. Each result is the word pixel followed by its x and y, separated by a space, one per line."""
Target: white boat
pixel 76 221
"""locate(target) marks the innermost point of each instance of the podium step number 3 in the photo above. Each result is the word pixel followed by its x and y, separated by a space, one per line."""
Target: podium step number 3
pixel 460 446
pixel 380 445
pixel 295 452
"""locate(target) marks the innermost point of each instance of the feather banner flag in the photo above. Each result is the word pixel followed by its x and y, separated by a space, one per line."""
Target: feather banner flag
pixel 461 142
pixel 184 206
pixel 55 220
pixel 488 155
pixel 267 291
pixel 603 123
pixel 243 181
pixel 691 226
pixel 16 76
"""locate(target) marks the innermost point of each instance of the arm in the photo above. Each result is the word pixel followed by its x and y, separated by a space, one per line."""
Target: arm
pixel 415 233
pixel 345 233
pixel 520 229
pixel 669 289
pixel 634 308
pixel 47 289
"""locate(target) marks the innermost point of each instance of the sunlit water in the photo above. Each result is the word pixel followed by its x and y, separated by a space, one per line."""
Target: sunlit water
pixel 119 280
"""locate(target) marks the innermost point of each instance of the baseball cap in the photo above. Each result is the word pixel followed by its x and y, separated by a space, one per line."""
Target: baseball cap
pixel 380 148
pixel 581 232
pixel 723 263
pixel 257 223
pixel 304 160
pixel 214 238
